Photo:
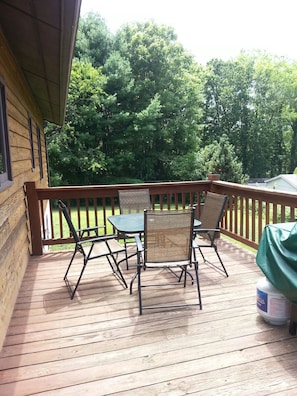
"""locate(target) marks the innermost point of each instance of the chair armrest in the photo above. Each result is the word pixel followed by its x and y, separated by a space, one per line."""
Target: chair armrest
pixel 138 243
pixel 90 228
pixel 102 238
pixel 198 229
pixel 82 231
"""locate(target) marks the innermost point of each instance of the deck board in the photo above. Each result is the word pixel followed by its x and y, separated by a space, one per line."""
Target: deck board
pixel 97 344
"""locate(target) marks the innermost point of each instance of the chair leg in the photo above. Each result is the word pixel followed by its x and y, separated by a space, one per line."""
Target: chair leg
pixel 198 285
pixel 132 281
pixel 72 292
pixel 126 253
pixel 222 264
pixel 214 246
pixel 139 262
pixel 116 270
pixel 139 289
pixel 197 279
pixel 202 255
pixel 68 268
pixel 185 272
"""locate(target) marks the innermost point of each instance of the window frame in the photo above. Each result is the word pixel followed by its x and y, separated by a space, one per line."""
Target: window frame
pixel 30 130
pixel 40 160
pixel 6 174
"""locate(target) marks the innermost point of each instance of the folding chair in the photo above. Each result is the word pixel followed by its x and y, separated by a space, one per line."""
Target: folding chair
pixel 211 216
pixel 133 201
pixel 92 248
pixel 168 244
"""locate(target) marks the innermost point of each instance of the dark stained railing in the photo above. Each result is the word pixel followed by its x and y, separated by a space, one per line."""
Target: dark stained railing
pixel 249 208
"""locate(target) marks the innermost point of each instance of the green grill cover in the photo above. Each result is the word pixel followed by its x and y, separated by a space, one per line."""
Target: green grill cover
pixel 277 257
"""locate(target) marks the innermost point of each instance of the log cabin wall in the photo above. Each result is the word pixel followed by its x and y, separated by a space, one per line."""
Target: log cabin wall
pixel 15 246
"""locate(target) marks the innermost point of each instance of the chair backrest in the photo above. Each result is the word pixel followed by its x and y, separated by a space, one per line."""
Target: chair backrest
pixel 66 214
pixel 213 210
pixel 168 236
pixel 134 201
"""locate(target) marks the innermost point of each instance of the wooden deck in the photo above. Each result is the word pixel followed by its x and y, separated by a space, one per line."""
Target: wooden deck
pixel 97 344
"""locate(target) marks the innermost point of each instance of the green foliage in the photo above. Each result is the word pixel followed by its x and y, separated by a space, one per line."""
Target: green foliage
pixel 253 101
pixel 219 157
pixel 94 41
pixel 141 109
pixel 137 116
pixel 75 150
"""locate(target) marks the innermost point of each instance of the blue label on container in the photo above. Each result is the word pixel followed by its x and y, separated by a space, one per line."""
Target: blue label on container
pixel 262 300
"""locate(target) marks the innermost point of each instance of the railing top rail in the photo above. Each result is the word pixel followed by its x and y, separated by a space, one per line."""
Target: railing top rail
pixel 249 208
pixel 260 193
pixel 112 190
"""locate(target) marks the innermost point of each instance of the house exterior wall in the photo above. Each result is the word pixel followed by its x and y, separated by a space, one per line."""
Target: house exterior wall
pixel 15 244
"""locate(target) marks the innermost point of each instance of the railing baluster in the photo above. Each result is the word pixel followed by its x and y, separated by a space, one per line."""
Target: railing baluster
pixel 249 208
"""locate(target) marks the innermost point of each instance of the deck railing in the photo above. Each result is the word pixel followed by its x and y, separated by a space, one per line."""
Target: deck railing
pixel 249 208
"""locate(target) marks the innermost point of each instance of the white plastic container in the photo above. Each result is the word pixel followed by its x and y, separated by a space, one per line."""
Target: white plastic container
pixel 272 305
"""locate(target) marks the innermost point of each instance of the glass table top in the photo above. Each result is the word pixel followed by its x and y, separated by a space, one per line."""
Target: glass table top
pixel 133 223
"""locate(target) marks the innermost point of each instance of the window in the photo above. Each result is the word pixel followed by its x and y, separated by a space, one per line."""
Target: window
pixel 5 164
pixel 39 152
pixel 31 142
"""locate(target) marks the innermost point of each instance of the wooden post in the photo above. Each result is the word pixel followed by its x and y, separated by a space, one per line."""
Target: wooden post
pixel 34 219
pixel 213 176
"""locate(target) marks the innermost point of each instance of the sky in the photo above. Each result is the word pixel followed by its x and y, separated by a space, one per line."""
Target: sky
pixel 211 28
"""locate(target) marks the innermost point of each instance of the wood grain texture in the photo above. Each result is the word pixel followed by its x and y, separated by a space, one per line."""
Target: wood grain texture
pixel 98 344
pixel 14 233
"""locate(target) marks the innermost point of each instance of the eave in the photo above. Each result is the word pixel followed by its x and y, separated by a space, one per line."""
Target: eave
pixel 41 34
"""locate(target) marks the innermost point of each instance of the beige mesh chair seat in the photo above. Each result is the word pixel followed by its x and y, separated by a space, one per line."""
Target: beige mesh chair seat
pixel 211 216
pixel 91 248
pixel 133 201
pixel 168 244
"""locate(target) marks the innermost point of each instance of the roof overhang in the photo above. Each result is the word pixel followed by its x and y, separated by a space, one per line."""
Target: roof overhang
pixel 41 34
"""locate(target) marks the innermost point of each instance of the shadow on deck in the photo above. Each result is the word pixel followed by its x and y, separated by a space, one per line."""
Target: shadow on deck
pixel 97 343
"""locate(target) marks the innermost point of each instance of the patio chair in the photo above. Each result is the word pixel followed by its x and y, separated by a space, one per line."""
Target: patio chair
pixel 91 248
pixel 168 244
pixel 211 216
pixel 133 201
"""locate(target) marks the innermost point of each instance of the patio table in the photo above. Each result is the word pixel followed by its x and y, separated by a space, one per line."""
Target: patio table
pixel 128 223
pixel 133 223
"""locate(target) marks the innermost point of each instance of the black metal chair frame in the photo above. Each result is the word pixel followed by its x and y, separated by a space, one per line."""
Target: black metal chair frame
pixel 143 264
pixel 111 249
pixel 210 234
pixel 133 201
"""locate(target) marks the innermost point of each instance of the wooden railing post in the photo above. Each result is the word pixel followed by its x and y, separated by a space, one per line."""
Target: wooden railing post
pixel 34 219
pixel 213 177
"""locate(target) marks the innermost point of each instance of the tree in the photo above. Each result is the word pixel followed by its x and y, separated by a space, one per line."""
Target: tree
pixel 135 117
pixel 75 150
pixel 94 41
pixel 253 101
pixel 140 109
pixel 227 104
pixel 219 157
pixel 165 100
